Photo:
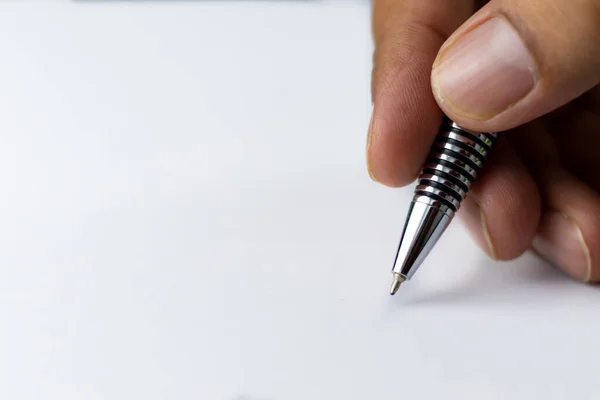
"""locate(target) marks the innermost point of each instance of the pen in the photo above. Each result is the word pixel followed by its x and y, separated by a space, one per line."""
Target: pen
pixel 456 158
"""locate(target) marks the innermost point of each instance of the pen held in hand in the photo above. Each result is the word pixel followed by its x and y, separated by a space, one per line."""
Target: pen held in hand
pixel 456 159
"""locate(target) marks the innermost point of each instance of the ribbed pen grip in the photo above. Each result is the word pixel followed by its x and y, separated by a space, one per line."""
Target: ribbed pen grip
pixel 455 160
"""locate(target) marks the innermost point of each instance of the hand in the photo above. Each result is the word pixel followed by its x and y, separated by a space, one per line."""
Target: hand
pixel 527 68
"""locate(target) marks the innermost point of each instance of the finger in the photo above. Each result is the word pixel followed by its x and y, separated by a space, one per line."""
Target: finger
pixel 569 233
pixel 503 210
pixel 408 35
pixel 569 230
pixel 578 138
pixel 516 60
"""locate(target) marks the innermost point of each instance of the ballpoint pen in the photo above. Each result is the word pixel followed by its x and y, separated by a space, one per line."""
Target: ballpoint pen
pixel 456 158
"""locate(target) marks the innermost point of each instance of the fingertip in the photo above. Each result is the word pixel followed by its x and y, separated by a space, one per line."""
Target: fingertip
pixel 474 220
pixel 398 141
pixel 503 210
pixel 569 233
pixel 560 241
pixel 406 117
pixel 514 61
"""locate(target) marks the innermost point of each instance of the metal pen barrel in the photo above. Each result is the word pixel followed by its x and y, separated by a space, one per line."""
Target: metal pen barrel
pixel 456 159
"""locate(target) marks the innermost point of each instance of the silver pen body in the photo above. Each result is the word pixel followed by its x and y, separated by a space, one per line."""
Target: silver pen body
pixel 456 159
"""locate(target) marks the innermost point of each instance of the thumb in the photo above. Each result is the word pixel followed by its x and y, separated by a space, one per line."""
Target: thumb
pixel 516 60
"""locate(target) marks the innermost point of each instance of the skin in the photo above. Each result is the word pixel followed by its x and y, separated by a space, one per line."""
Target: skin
pixel 541 187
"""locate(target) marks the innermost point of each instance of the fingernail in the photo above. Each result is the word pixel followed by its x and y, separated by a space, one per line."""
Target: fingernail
pixel 369 136
pixel 485 71
pixel 487 236
pixel 476 223
pixel 561 242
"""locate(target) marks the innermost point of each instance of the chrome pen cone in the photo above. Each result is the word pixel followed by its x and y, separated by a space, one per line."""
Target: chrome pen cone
pixel 456 159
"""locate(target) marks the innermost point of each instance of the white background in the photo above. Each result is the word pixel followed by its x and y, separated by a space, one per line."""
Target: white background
pixel 185 213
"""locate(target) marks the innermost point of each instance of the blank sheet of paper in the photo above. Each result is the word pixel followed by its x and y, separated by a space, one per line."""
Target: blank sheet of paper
pixel 186 214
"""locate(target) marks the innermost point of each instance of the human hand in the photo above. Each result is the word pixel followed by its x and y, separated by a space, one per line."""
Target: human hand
pixel 527 68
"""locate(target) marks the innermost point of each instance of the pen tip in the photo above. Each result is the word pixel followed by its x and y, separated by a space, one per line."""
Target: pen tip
pixel 398 279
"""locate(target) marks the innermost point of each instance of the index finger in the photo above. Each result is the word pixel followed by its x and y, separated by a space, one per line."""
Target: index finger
pixel 408 35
